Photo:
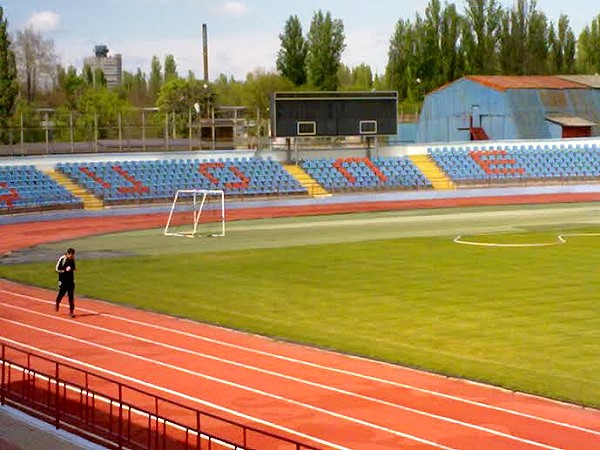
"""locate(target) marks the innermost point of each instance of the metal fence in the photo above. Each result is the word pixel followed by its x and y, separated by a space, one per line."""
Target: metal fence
pixel 117 415
pixel 49 131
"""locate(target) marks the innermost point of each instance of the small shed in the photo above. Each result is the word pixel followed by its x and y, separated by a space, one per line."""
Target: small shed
pixel 572 126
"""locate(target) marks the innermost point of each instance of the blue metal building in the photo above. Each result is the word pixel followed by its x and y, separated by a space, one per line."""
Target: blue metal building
pixel 511 107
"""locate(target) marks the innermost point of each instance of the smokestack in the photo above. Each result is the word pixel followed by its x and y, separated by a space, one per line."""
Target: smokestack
pixel 205 51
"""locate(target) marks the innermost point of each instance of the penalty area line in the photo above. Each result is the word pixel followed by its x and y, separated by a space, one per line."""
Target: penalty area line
pixel 561 239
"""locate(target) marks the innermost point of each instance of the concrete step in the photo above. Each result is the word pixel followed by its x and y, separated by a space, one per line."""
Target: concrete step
pixel 89 200
pixel 314 189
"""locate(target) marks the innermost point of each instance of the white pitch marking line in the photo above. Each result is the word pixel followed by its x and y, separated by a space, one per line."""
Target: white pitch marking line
pixel 560 240
pixel 291 378
pixel 334 370
pixel 235 385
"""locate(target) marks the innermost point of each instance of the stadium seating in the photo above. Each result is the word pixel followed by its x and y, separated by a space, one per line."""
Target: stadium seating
pixel 546 162
pixel 150 180
pixel 363 173
pixel 25 187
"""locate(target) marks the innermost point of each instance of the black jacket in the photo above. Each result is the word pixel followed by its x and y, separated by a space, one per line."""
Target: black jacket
pixel 65 275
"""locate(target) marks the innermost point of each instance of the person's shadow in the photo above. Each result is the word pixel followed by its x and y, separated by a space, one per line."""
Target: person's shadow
pixel 87 315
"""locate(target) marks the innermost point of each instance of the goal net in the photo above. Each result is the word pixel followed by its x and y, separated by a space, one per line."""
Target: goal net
pixel 197 212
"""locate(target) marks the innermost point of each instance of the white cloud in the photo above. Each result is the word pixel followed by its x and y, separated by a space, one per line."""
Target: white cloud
pixel 232 8
pixel 43 21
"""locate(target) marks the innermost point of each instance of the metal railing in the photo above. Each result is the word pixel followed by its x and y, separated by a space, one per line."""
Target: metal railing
pixel 48 131
pixel 117 415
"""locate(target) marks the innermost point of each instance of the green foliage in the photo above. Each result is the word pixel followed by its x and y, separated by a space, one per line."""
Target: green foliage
pixel 100 107
pixel 170 69
pixel 228 91
pixel 565 63
pixel 362 78
pixel 156 78
pixel 524 40
pixel 325 43
pixel 9 88
pixel 72 86
pixel 179 95
pixel 134 88
pixel 258 88
pixel 481 34
pixel 589 42
pixel 486 39
pixel 291 58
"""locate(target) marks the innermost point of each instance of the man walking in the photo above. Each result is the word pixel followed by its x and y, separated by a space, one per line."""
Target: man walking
pixel 65 266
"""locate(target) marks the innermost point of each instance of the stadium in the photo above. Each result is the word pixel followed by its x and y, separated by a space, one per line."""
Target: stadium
pixel 433 295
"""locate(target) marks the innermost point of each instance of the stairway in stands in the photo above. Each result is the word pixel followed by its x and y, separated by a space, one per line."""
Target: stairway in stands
pixel 478 134
pixel 439 180
pixel 89 200
pixel 314 189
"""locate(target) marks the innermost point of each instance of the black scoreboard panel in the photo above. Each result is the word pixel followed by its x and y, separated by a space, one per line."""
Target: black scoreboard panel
pixel 334 113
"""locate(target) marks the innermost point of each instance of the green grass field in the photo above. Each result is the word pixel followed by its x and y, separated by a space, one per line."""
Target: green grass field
pixel 391 286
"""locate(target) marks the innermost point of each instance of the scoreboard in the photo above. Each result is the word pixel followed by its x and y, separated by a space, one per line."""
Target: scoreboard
pixel 296 114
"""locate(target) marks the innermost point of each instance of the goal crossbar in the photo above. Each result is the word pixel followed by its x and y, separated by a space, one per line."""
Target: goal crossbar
pixel 199 199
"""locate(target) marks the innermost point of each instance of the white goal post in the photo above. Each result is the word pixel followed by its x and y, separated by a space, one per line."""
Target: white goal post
pixel 193 210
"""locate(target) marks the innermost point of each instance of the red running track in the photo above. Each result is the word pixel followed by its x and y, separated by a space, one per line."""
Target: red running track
pixel 321 398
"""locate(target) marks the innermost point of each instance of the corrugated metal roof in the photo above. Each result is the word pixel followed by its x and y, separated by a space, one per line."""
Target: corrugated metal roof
pixel 570 121
pixel 503 83
pixel 592 81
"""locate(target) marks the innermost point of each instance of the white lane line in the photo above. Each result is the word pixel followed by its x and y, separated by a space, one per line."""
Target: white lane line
pixel 235 385
pixel 335 370
pixel 288 377
pixel 172 392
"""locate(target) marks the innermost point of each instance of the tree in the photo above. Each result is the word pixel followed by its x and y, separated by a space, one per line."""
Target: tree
pixel 537 41
pixel 228 91
pixel 170 68
pixel 291 58
pixel 9 88
pixel 358 78
pixel 258 88
pixel 36 60
pixel 562 45
pixel 325 48
pixel 588 59
pixel 345 77
pixel 100 106
pixel 404 60
pixel 431 72
pixel 156 79
pixel 134 88
pixel 72 85
pixel 179 95
pixel 452 53
pixel 480 35
pixel 524 40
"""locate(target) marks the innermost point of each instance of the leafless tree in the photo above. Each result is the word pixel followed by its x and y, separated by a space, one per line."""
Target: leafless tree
pixel 36 61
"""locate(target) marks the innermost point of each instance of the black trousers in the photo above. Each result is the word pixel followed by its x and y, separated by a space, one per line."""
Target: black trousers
pixel 69 289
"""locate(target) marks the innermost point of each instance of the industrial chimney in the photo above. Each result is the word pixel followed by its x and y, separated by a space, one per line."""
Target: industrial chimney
pixel 205 52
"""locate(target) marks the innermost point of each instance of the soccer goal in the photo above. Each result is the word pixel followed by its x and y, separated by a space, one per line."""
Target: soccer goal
pixel 197 212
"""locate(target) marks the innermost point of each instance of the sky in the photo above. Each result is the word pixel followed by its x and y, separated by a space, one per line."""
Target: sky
pixel 243 35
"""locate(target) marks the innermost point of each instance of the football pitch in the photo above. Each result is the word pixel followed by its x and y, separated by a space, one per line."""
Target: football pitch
pixel 393 286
